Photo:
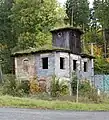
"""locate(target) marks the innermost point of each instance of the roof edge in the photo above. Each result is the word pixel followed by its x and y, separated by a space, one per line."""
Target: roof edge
pixel 67 28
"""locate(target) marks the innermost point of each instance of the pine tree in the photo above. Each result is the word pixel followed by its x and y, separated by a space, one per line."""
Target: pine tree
pixel 78 11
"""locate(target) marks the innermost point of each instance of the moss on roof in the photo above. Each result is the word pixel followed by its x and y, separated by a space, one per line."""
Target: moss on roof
pixel 45 49
pixel 67 28
pixel 39 50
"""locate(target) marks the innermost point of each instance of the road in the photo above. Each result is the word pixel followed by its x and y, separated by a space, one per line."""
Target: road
pixel 34 114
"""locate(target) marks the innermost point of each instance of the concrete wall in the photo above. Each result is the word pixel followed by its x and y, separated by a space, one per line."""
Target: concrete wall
pixel 62 72
pixel 65 73
pixel 41 73
pixel 20 72
pixel 35 66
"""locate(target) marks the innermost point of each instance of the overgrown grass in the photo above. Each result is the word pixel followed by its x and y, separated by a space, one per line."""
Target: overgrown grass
pixel 8 101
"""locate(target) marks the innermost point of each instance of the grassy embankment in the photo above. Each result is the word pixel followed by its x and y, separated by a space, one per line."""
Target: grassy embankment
pixel 8 101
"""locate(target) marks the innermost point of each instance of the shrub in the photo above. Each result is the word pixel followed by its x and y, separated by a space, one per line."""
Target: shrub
pixel 25 86
pixel 88 91
pixel 13 87
pixel 34 86
pixel 74 84
pixel 58 88
pixel 85 88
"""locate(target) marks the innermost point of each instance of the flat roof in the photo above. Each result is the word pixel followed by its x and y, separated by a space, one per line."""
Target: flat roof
pixel 39 50
pixel 66 28
pixel 48 50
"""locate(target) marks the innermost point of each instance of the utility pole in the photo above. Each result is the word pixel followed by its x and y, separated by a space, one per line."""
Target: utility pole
pixel 1 75
pixel 78 80
pixel 77 96
pixel 92 63
pixel 105 47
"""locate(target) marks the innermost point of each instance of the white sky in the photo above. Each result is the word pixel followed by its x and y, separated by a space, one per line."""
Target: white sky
pixel 63 1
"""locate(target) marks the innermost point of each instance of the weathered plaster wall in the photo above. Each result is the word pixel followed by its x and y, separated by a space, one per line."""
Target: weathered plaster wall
pixel 62 72
pixel 35 66
pixel 65 73
pixel 41 73
pixel 19 67
pixel 86 75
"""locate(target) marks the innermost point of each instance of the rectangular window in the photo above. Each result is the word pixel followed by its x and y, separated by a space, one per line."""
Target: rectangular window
pixel 62 63
pixel 74 65
pixel 45 63
pixel 85 66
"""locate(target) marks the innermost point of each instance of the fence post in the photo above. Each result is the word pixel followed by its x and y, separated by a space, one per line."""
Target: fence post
pixel 103 82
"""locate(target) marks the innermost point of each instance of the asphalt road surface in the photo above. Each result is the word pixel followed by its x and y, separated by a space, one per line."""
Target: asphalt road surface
pixel 33 114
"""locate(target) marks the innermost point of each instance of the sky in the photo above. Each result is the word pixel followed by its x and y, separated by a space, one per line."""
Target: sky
pixel 63 1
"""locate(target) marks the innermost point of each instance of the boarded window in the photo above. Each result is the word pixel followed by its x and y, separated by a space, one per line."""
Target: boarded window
pixel 74 64
pixel 26 65
pixel 62 63
pixel 45 63
pixel 85 66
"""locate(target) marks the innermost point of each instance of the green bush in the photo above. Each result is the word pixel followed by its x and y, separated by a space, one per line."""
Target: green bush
pixel 74 83
pixel 58 88
pixel 88 91
pixel 85 88
pixel 13 87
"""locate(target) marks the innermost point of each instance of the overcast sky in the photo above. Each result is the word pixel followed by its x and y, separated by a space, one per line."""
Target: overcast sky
pixel 63 1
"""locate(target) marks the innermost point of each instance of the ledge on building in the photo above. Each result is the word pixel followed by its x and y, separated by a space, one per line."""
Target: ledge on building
pixel 84 55
pixel 47 49
pixel 44 49
pixel 67 28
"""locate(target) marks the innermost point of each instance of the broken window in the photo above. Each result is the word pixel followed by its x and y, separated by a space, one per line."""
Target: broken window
pixel 85 66
pixel 45 63
pixel 62 63
pixel 74 65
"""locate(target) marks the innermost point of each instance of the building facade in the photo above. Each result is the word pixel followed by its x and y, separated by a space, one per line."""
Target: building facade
pixel 61 60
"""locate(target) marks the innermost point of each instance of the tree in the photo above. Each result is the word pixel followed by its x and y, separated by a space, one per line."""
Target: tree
pixel 80 9
pixel 7 41
pixel 101 7
pixel 32 21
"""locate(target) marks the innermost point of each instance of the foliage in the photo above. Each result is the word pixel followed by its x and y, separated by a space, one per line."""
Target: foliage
pixel 74 84
pixel 85 88
pixel 34 86
pixel 88 91
pixel 80 12
pixel 25 86
pixel 93 36
pixel 32 21
pixel 101 7
pixel 101 65
pixel 58 87
pixel 13 87
pixel 7 39
pixel 24 24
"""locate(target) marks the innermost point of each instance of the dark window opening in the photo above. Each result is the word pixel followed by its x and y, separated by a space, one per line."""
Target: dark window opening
pixel 60 34
pixel 74 65
pixel 62 60
pixel 85 66
pixel 45 63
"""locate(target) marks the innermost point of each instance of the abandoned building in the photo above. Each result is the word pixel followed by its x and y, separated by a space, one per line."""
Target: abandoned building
pixel 62 59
